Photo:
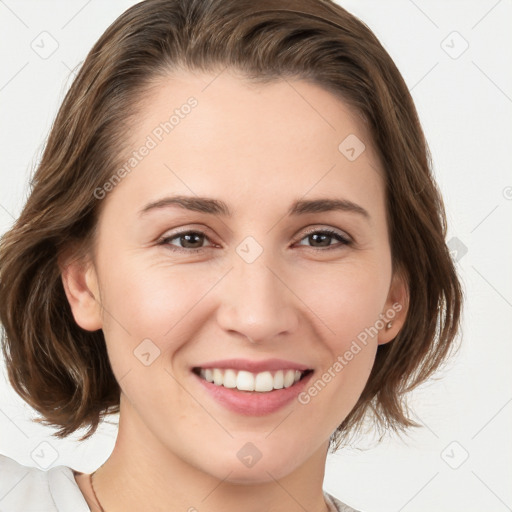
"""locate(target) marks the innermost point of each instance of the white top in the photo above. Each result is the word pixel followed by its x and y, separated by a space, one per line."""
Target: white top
pixel 29 489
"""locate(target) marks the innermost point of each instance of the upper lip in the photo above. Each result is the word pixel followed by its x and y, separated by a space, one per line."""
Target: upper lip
pixel 255 366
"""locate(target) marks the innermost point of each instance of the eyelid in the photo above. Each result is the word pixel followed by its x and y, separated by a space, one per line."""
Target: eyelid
pixel 200 229
pixel 331 231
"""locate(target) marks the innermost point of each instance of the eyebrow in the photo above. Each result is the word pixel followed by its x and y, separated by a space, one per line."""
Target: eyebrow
pixel 220 208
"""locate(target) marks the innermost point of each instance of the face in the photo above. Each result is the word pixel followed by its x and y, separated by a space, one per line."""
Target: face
pixel 275 256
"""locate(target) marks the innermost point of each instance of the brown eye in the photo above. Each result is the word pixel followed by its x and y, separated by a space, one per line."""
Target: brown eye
pixel 189 241
pixel 322 239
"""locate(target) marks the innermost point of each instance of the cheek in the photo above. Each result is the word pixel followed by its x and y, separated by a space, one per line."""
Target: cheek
pixel 347 299
pixel 157 302
pixel 151 298
pixel 147 320
pixel 346 310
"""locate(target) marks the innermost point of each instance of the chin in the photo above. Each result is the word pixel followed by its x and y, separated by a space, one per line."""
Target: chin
pixel 257 475
pixel 263 468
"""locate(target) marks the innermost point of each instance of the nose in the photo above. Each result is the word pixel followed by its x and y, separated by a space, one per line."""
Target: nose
pixel 256 302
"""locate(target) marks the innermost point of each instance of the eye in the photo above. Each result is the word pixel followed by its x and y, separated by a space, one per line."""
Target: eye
pixel 191 241
pixel 324 237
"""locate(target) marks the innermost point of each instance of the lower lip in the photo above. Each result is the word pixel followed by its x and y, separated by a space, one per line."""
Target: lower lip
pixel 253 403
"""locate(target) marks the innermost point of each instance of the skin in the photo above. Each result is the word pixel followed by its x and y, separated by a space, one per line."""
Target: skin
pixel 258 148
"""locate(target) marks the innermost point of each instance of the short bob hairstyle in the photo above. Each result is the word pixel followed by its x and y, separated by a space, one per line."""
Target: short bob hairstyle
pixel 62 370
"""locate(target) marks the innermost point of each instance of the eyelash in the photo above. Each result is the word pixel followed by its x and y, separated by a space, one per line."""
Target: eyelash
pixel 343 240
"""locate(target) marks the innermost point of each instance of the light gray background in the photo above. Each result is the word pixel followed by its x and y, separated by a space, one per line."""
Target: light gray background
pixel 461 459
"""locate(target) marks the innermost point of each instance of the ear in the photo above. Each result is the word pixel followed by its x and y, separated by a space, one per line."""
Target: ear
pixel 395 310
pixel 80 283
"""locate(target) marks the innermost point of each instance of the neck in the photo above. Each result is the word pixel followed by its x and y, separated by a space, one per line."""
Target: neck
pixel 145 476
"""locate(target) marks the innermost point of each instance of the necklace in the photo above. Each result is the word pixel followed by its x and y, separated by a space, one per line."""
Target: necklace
pixel 94 492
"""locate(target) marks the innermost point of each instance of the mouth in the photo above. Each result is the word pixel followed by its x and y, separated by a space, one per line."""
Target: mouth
pixel 251 387
pixel 242 380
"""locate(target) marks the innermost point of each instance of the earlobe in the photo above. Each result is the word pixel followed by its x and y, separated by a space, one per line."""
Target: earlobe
pixel 80 283
pixel 395 310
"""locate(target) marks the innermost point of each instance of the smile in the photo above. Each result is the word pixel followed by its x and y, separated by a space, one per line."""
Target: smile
pixel 262 382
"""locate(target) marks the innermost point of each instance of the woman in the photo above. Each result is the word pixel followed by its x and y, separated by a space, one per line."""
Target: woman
pixel 235 241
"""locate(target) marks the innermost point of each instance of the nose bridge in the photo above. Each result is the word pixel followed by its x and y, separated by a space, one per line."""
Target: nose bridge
pixel 255 301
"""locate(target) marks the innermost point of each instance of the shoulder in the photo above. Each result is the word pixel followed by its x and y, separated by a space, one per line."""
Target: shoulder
pixel 337 505
pixel 29 489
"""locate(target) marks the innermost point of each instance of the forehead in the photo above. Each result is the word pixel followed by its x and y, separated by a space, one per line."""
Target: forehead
pixel 213 134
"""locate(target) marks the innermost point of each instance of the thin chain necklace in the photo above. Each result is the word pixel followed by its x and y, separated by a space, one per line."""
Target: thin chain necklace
pixel 94 492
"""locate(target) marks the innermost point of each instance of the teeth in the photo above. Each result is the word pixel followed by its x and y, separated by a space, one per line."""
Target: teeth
pixel 279 380
pixel 229 379
pixel 244 381
pixel 262 382
pixel 289 378
pixel 217 377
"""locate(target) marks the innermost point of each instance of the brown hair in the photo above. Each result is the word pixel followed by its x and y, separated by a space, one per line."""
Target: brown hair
pixel 62 370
